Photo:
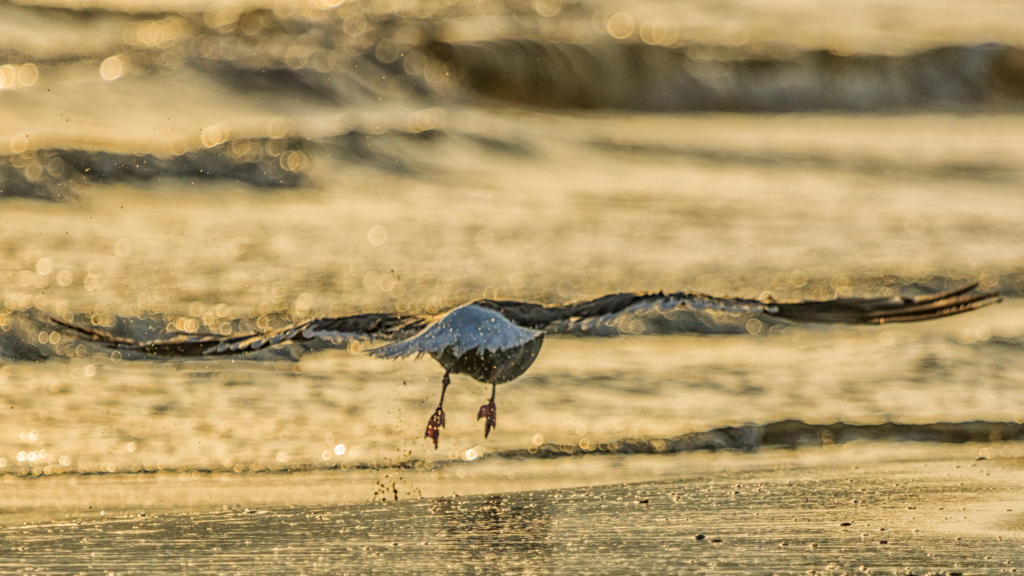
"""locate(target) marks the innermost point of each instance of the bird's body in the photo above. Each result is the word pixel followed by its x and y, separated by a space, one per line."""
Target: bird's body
pixel 497 367
pixel 474 341
pixel 495 342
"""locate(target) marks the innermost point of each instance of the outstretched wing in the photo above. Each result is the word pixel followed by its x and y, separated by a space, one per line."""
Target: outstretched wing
pixel 887 310
pixel 335 330
pixel 840 310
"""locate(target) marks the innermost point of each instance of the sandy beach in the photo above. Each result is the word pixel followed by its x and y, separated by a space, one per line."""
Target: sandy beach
pixel 910 509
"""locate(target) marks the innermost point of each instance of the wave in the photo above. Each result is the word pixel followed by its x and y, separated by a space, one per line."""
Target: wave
pixel 363 63
pixel 958 170
pixel 19 337
pixel 55 173
pixel 789 434
pixel 786 434
pixel 353 56
pixel 635 76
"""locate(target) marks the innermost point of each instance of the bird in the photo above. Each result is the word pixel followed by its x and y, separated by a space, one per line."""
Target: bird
pixel 496 341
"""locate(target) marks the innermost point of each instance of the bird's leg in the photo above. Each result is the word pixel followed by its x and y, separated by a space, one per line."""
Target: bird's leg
pixel 489 411
pixel 436 421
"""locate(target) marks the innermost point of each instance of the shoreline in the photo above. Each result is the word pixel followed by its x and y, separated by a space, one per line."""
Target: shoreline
pixel 48 498
pixel 863 508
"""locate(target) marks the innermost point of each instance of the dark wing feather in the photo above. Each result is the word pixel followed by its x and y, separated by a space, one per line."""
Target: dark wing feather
pixel 887 310
pixel 336 330
pixel 539 316
pixel 610 307
pixel 841 310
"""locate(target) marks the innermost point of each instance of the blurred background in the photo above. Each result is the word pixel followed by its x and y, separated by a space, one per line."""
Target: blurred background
pixel 224 167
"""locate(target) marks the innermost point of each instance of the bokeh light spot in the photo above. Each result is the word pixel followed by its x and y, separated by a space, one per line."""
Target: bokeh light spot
pixel 114 67
pixel 754 326
pixel 279 128
pixel 179 145
pixel 485 239
pixel 19 143
pixel 377 236
pixel 213 135
pixel 28 74
pixel 547 8
pixel 387 52
pixel 621 26
pixel 414 63
pixel 799 278
pixel 8 76
pixel 65 278
pixel 44 266
pixel 325 4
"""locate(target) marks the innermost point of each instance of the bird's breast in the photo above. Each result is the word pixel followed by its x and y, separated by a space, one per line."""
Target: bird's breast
pixel 492 367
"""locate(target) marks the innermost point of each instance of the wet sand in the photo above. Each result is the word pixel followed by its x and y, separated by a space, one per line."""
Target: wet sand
pixel 843 510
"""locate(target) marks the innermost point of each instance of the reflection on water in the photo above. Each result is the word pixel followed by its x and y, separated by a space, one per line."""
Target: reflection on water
pixel 489 528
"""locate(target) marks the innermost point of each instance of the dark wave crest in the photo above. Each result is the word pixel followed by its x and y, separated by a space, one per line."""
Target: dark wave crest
pixel 363 62
pixel 352 56
pixel 751 438
pixel 786 434
pixel 57 172
pixel 636 76
pixel 54 173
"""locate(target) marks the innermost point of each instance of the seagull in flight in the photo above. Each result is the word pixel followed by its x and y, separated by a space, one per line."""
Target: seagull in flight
pixel 496 341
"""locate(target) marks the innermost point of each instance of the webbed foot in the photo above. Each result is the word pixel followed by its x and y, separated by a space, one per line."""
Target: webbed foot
pixel 489 411
pixel 434 426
